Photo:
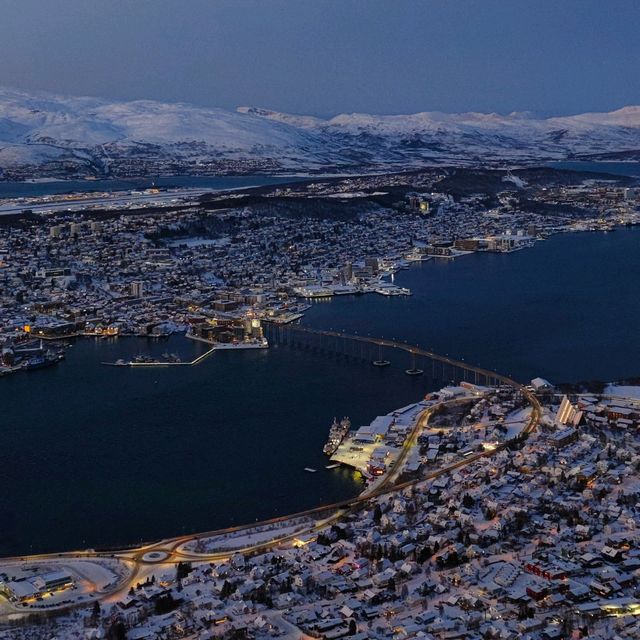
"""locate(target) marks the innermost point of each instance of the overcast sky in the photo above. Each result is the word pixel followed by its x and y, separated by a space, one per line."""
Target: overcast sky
pixel 325 57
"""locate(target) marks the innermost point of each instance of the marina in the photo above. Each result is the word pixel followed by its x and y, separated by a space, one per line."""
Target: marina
pixel 30 356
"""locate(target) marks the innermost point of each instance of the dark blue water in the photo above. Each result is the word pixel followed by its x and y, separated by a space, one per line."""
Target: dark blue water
pixel 616 168
pixel 566 309
pixel 95 455
pixel 31 189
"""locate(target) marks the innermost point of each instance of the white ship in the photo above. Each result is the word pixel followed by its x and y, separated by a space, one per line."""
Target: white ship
pixel 247 344
pixel 313 291
pixel 388 289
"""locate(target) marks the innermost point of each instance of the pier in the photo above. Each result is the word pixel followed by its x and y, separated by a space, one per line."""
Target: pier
pixel 162 363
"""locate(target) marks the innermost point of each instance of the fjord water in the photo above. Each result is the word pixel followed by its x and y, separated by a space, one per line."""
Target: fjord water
pixel 54 187
pixel 566 309
pixel 629 168
pixel 96 455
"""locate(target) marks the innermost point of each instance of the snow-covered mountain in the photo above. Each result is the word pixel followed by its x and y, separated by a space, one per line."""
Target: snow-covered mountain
pixel 50 135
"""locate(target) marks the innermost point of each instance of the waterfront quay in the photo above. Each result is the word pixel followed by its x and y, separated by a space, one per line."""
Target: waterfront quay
pixel 375 449
pixel 146 361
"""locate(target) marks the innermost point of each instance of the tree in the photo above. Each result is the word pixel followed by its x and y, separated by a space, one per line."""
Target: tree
pixel 567 623
pixel 182 570
pixel 353 628
pixel 226 590
pixel 95 614
pixel 424 555
pixel 165 603
pixel 117 631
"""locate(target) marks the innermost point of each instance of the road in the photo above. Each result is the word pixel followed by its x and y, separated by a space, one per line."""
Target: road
pixel 170 549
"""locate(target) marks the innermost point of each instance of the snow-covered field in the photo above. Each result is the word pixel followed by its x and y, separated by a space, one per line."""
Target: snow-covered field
pixel 245 537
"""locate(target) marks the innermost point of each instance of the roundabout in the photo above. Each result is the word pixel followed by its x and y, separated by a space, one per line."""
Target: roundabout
pixel 155 557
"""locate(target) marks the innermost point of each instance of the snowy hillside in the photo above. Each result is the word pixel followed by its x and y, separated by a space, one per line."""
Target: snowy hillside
pixel 48 135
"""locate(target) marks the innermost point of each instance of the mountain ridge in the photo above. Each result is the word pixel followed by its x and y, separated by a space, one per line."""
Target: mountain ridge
pixel 51 135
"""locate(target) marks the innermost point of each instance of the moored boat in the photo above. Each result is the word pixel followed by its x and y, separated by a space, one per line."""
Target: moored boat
pixel 337 433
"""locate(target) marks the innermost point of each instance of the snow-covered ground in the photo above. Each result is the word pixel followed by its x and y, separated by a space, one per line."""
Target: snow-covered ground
pixel 623 391
pixel 245 537
pixel 516 422
pixel 91 577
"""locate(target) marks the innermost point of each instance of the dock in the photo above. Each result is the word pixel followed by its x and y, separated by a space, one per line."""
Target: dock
pixel 161 363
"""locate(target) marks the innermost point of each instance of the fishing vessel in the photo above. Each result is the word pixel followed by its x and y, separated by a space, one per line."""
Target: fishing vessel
pixel 38 362
pixel 337 433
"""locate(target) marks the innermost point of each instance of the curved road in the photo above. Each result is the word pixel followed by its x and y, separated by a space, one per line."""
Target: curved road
pixel 168 551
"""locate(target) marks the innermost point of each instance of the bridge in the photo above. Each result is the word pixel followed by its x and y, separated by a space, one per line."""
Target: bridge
pixel 367 349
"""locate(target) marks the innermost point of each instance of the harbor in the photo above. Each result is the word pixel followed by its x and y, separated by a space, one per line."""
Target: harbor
pixel 132 457
pixel 377 285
